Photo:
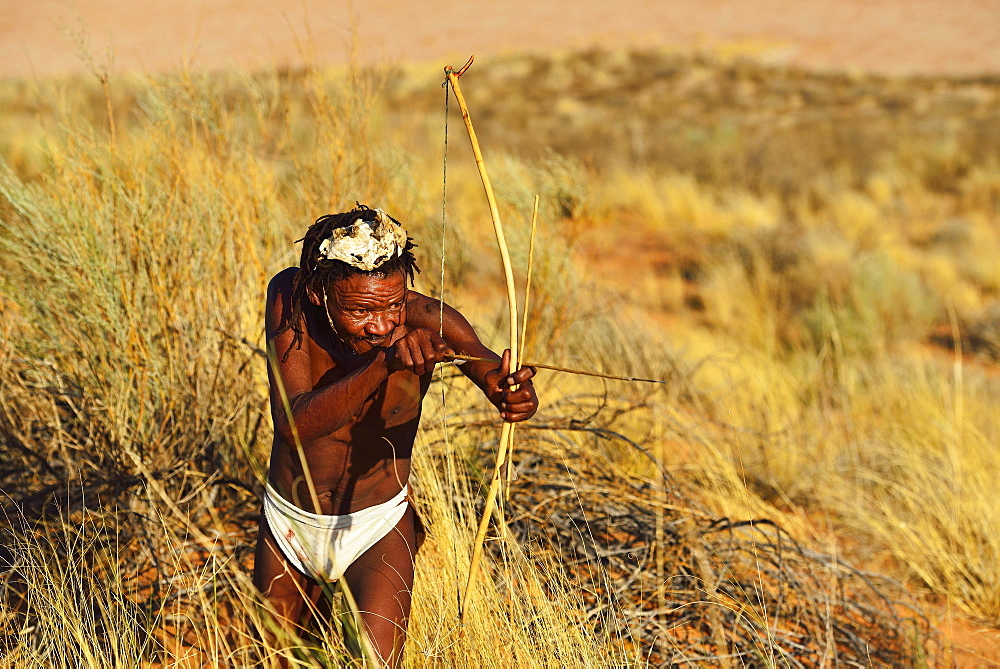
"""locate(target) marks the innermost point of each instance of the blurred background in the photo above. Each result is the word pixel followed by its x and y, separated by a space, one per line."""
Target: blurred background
pixel 888 36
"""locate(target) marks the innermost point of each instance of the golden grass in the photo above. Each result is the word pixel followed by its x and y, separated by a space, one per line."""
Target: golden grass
pixel 790 250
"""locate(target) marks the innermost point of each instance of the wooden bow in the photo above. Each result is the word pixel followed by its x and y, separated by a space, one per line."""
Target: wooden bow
pixel 507 432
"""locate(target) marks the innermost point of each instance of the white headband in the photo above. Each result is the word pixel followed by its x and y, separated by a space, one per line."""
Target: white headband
pixel 366 244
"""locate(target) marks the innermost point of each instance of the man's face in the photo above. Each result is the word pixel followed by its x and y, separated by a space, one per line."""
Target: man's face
pixel 366 310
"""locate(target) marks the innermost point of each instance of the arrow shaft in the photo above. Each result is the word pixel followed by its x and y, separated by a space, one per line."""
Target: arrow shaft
pixel 568 370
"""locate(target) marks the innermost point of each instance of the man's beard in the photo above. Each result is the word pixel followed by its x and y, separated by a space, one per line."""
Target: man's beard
pixel 374 342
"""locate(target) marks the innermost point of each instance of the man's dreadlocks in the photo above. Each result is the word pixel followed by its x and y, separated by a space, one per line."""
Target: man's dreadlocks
pixel 316 272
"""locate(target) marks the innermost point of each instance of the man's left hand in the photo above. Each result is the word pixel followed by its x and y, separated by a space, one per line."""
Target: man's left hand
pixel 514 405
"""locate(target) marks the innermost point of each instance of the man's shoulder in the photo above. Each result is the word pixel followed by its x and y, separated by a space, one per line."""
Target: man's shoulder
pixel 281 282
pixel 417 299
pixel 429 312
pixel 422 310
pixel 279 308
pixel 279 288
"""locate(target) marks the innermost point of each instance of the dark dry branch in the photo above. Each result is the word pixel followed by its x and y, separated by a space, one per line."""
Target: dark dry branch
pixel 732 592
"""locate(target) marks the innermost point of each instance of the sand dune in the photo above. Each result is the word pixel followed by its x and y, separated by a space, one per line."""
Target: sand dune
pixel 892 36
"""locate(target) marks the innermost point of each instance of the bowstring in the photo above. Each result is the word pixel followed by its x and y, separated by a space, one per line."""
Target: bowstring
pixel 449 464
pixel 444 202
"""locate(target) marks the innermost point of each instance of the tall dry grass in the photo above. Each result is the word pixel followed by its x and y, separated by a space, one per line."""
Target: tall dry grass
pixel 788 250
pixel 134 388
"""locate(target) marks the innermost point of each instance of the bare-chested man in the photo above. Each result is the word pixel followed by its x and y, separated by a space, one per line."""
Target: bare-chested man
pixel 355 350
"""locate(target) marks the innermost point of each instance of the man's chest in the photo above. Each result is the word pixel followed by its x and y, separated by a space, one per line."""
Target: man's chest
pixel 394 402
pixel 400 401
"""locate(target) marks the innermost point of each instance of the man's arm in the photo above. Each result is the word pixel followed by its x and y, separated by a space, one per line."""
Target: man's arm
pixel 316 413
pixel 322 411
pixel 494 380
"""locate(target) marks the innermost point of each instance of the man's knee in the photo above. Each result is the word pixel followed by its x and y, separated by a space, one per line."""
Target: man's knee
pixel 387 635
pixel 382 578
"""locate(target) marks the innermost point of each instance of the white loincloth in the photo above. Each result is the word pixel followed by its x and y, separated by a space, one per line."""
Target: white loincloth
pixel 325 546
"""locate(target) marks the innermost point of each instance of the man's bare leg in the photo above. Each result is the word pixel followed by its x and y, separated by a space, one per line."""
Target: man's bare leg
pixel 381 581
pixel 285 589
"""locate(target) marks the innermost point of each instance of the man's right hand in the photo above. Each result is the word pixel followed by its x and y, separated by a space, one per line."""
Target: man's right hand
pixel 417 352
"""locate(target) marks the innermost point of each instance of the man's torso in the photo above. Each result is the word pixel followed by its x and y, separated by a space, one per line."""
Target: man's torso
pixel 367 461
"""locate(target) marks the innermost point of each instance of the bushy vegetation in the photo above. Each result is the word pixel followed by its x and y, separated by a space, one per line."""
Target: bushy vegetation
pixel 809 259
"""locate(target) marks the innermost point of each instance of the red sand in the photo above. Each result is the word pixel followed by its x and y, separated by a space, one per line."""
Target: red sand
pixel 892 36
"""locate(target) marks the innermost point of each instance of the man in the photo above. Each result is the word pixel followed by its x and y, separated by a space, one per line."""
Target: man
pixel 354 352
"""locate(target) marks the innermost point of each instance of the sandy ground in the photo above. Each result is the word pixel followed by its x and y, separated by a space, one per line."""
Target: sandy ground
pixel 892 36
